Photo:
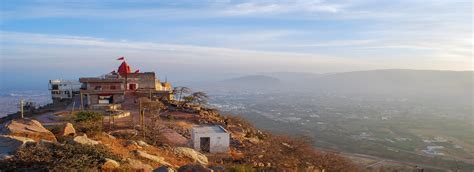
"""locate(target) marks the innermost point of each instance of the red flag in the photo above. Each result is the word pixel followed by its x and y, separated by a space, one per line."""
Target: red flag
pixel 121 58
pixel 137 71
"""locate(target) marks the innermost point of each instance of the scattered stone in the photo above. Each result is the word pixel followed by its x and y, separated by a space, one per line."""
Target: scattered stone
pixel 108 135
pixel 9 144
pixel 142 143
pixel 164 169
pixel 193 168
pixel 254 140
pixel 110 164
pixel 124 133
pixel 27 128
pixel 84 140
pixel 68 130
pixel 155 158
pixel 193 154
pixel 287 145
pixel 236 129
pixel 132 144
pixel 138 165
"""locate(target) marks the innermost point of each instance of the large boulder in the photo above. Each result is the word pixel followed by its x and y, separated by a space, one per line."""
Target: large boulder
pixel 110 164
pixel 143 154
pixel 137 165
pixel 164 169
pixel 193 168
pixel 27 128
pixel 9 144
pixel 68 130
pixel 193 154
pixel 84 140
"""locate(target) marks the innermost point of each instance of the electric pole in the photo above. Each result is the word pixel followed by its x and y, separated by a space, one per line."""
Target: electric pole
pixel 73 105
pixel 21 108
pixel 82 102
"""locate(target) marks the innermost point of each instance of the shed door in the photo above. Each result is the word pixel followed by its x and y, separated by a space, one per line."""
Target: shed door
pixel 205 144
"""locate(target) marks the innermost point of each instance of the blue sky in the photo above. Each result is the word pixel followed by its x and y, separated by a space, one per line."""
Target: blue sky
pixel 212 39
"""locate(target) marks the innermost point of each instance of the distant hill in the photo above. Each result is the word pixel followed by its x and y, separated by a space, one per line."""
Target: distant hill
pixel 397 81
pixel 449 85
pixel 253 80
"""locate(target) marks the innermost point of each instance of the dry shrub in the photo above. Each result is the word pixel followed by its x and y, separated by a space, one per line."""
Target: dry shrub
pixel 155 137
pixel 57 157
pixel 238 121
pixel 283 152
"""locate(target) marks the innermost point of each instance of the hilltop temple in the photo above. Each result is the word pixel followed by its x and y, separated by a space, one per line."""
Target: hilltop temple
pixel 113 87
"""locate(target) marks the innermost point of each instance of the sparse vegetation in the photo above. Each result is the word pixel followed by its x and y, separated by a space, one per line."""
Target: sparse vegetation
pixel 57 157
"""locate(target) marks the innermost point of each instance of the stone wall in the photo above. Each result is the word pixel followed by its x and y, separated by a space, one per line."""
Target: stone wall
pixel 143 80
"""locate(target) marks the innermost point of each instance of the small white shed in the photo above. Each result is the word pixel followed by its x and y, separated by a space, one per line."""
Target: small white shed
pixel 213 139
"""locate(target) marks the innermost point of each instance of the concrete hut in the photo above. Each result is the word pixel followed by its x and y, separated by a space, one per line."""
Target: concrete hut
pixel 211 139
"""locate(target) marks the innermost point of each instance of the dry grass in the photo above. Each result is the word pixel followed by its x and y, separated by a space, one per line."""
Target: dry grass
pixel 57 157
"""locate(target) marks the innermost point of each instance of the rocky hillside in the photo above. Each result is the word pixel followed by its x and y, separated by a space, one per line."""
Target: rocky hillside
pixel 85 141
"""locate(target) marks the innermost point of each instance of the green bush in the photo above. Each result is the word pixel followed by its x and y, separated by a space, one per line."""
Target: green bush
pixel 89 122
pixel 88 116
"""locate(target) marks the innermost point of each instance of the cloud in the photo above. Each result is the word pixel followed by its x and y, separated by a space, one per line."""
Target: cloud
pixel 278 7
pixel 18 48
pixel 338 43
pixel 30 46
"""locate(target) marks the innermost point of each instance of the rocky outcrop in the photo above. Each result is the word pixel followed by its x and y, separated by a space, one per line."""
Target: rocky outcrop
pixel 137 165
pixel 27 128
pixel 164 169
pixel 110 164
pixel 155 158
pixel 193 168
pixel 84 140
pixel 9 144
pixel 192 154
pixel 68 130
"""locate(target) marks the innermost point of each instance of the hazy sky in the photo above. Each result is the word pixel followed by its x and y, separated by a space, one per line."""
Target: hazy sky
pixel 194 40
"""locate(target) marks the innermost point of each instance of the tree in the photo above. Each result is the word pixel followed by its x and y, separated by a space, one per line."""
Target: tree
pixel 153 107
pixel 199 98
pixel 180 91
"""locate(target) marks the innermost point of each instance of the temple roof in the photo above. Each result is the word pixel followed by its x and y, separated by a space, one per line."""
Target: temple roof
pixel 124 68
